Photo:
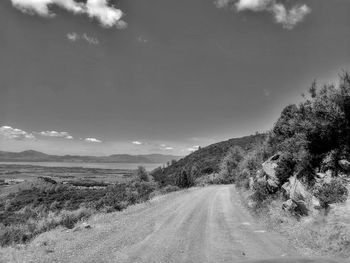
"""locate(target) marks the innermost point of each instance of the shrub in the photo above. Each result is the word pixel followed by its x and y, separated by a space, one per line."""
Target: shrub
pixel 261 193
pixel 229 164
pixel 33 211
pixel 285 168
pixel 142 174
pixel 333 192
pixel 169 189
pixel 185 180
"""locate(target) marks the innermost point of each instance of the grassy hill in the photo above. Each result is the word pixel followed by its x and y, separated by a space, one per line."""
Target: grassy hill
pixel 206 160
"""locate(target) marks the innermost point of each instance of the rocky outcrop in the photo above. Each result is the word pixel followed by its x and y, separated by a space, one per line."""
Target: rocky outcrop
pixel 269 167
pixel 303 201
pixel 269 170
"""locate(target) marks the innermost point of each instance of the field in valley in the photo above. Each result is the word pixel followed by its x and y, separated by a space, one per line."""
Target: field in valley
pixel 14 177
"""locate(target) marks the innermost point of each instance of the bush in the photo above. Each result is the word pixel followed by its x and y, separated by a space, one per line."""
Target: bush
pixel 142 174
pixel 229 164
pixel 21 233
pixel 185 180
pixel 261 193
pixel 286 167
pixel 169 189
pixel 330 193
pixel 33 211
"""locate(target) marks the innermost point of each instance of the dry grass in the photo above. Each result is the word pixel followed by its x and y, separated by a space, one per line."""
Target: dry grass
pixel 21 233
pixel 316 234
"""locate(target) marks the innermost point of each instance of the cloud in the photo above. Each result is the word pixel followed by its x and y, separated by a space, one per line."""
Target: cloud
pixel 106 15
pixel 92 140
pixel 15 134
pixel 193 148
pixel 288 18
pixel 73 36
pixel 254 5
pixel 57 134
pixel 100 10
pixel 169 148
pixel 136 142
pixel 141 39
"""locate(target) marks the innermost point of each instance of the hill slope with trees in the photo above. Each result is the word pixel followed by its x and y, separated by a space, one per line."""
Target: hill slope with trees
pixel 204 161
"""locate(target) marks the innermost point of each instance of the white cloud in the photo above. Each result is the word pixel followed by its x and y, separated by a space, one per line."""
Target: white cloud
pixel 41 7
pixel 92 140
pixel 57 134
pixel 141 39
pixel 254 5
pixel 100 10
pixel 169 148
pixel 73 36
pixel 15 134
pixel 136 142
pixel 193 148
pixel 121 24
pixel 288 18
pixel 106 15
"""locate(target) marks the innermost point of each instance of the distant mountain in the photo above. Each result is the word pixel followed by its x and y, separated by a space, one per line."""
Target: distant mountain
pixel 206 159
pixel 35 156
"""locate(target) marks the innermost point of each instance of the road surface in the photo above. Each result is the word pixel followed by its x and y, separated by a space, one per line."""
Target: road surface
pixel 197 225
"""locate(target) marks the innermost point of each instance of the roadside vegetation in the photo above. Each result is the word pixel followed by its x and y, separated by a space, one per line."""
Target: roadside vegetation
pixel 48 204
pixel 294 177
pixel 299 175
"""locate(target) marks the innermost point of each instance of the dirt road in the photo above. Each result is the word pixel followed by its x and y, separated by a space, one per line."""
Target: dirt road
pixel 198 225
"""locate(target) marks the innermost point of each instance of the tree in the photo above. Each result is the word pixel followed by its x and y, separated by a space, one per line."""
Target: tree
pixel 185 180
pixel 230 162
pixel 142 174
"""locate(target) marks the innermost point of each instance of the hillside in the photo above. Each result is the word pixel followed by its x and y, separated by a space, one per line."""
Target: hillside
pixel 206 159
pixel 35 156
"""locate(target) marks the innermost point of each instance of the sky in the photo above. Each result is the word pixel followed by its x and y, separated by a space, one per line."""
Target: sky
pixel 159 76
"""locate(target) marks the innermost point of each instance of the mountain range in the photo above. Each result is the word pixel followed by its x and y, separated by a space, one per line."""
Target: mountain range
pixel 35 156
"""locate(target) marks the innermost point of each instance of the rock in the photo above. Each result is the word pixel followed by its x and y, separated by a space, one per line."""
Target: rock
pixel 297 190
pixel 320 175
pixel 269 168
pixel 271 185
pixel 299 208
pixel 251 203
pixel 289 205
pixel 315 202
pixel 286 187
pixel 302 208
pixel 82 226
pixel 345 165
pixel 85 225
